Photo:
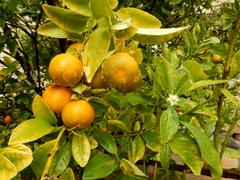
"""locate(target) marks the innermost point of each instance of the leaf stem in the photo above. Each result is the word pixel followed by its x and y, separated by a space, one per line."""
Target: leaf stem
pixel 52 154
pixel 226 70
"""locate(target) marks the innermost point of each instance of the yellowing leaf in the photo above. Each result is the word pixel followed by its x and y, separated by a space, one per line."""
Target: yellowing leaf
pixel 80 6
pixel 139 18
pixel 7 169
pixel 66 19
pixel 157 36
pixel 95 51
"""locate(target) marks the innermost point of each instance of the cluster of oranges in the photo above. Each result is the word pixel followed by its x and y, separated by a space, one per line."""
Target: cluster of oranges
pixel 120 71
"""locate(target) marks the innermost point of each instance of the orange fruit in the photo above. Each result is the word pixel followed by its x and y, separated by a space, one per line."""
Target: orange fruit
pixel 98 80
pixel 216 58
pixel 121 71
pixel 78 46
pixel 66 69
pixel 57 97
pixel 78 113
pixel 8 119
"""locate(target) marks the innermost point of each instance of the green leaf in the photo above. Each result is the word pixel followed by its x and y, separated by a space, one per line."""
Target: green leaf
pixel 102 8
pixel 81 149
pixel 187 149
pixel 183 85
pixel 7 169
pixel 66 19
pixel 99 166
pixel 41 110
pixel 168 124
pixel 67 175
pixel 80 6
pixel 93 56
pixel 165 156
pixel 230 97
pixel 137 150
pixel 152 140
pixel 20 155
pixel 30 130
pixel 138 18
pixel 206 83
pixel 232 153
pixel 195 70
pixel 61 160
pixel 130 169
pixel 40 156
pixel 106 140
pixel 52 30
pixel 208 152
pixel 93 142
pixel 157 36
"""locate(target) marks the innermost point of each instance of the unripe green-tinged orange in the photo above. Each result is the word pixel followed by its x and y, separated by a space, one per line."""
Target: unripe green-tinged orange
pixel 122 72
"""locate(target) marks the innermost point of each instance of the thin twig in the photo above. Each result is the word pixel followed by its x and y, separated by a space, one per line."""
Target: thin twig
pixel 52 154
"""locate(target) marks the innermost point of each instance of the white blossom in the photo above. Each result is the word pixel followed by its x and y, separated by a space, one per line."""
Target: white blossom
pixel 172 99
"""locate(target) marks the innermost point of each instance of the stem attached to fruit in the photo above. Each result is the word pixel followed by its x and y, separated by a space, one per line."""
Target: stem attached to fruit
pixel 52 154
pixel 226 70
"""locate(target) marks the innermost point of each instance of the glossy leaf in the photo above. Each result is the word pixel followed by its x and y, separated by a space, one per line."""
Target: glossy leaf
pixel 20 155
pixel 52 30
pixel 106 140
pixel 30 130
pixel 118 123
pixel 93 142
pixel 195 70
pixel 168 124
pixel 40 156
pixel 187 149
pixel 102 8
pixel 67 175
pixel 152 140
pixel 138 18
pixel 230 97
pixel 66 19
pixel 208 152
pixel 7 168
pixel 80 6
pixel 130 169
pixel 137 150
pixel 93 56
pixel 41 110
pixel 81 149
pixel 157 36
pixel 61 160
pixel 99 166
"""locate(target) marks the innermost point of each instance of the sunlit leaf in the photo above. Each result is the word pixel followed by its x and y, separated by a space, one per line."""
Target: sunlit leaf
pixel 30 130
pixel 80 6
pixel 81 149
pixel 157 36
pixel 93 54
pixel 68 174
pixel 138 18
pixel 7 168
pixel 152 140
pixel 99 166
pixel 41 110
pixel 203 83
pixel 66 19
pixel 230 97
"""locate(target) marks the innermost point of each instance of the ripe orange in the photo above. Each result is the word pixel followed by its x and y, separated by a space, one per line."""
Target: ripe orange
pixel 76 49
pixel 8 119
pixel 216 58
pixel 57 97
pixel 98 80
pixel 121 71
pixel 66 69
pixel 78 113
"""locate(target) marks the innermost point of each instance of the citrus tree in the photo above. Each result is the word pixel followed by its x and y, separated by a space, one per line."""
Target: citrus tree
pixel 128 94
